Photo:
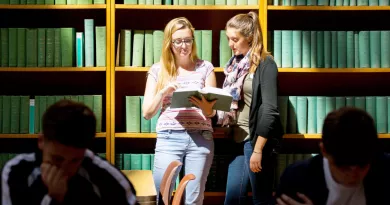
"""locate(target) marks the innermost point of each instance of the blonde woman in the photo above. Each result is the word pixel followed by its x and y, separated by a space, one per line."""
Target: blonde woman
pixel 182 134
pixel 251 78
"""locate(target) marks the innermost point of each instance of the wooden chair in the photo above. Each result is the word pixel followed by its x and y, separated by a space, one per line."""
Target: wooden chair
pixel 180 190
pixel 166 182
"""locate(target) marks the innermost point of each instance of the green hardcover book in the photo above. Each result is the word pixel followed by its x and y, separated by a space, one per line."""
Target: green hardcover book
pixel 193 2
pixel 146 165
pixel 198 41
pixel 99 2
pixel 12 47
pixel 320 49
pixel 119 161
pixel 41 47
pixel 225 53
pixel 42 109
pixel 138 47
pixel 127 161
pixel 287 55
pixel 125 48
pixel 157 2
pixel 200 2
pixel 68 47
pixel 321 112
pixel 330 104
pixel 148 48
pixel 14 2
pixel 88 101
pixel 145 124
pixel 283 104
pixel 136 161
pixel 21 51
pixel 350 101
pixel 158 37
pixel 375 49
pixel 97 109
pixel 292 114
pixel 311 114
pixel 6 114
pixel 50 100
pixel 297 48
pixel 133 107
pixel 49 2
pixel 302 114
pixel 15 114
pixel 84 2
pixel 57 47
pixel 327 49
pixel 50 47
pixel 79 49
pixel 71 2
pixel 340 102
pixel 334 49
pixel 207 37
pixel 60 2
pixel 381 114
pixel 74 98
pixel 350 49
pixel 133 2
pixel 40 2
pixel 59 97
pixel 31 121
pixel 313 49
pixel 152 162
pixel 4 47
pixel 100 46
pixel 31 2
pixel 32 47
pixel 371 106
pixel 81 98
pixel 37 118
pixel 360 102
pixel 89 33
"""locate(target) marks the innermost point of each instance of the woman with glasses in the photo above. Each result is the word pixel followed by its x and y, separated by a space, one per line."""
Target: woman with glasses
pixel 252 78
pixel 183 134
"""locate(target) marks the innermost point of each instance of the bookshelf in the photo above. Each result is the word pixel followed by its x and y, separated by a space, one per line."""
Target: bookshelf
pixel 115 82
pixel 63 81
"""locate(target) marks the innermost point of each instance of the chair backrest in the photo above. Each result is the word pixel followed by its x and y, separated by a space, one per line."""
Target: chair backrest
pixel 180 190
pixel 165 185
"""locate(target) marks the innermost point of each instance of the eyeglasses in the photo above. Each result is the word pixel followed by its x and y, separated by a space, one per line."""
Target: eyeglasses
pixel 179 42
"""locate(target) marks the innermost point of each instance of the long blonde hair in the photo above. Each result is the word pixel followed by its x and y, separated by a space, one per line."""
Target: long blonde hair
pixel 248 25
pixel 168 69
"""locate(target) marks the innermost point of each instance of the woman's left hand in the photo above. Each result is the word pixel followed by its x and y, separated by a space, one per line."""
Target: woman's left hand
pixel 255 162
pixel 204 105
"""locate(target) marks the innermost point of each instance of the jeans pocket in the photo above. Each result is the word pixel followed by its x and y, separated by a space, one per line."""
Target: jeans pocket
pixel 162 135
pixel 207 135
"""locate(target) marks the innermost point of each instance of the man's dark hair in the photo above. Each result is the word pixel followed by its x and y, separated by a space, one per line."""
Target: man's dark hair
pixel 69 123
pixel 349 135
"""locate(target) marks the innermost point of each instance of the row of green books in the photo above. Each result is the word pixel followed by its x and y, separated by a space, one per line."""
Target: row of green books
pixel 306 114
pixel 330 2
pixel 331 49
pixel 52 2
pixel 135 122
pixel 22 115
pixel 53 47
pixel 144 47
pixel 192 2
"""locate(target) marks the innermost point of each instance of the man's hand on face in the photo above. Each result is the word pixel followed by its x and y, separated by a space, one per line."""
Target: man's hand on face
pixel 286 200
pixel 55 181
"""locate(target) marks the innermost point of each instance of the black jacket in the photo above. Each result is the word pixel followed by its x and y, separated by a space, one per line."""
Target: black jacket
pixel 308 177
pixel 264 118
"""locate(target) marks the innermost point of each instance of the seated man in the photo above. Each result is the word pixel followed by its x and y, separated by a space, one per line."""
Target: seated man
pixel 64 170
pixel 351 169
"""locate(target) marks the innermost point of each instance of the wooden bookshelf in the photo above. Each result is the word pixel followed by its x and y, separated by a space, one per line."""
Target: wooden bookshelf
pixel 32 136
pixel 93 6
pixel 145 69
pixel 51 69
pixel 328 8
pixel 184 7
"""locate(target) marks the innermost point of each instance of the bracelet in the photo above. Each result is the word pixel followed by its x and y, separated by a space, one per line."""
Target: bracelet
pixel 257 152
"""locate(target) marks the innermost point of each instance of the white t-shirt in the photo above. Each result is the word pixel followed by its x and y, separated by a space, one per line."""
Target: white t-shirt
pixel 341 195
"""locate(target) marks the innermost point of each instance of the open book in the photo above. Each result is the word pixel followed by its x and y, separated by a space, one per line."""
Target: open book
pixel 180 98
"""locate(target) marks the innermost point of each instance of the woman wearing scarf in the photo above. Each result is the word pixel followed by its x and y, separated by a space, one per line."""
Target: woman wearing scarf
pixel 252 79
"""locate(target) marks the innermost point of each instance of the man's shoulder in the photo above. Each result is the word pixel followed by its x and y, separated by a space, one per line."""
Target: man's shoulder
pixel 305 168
pixel 21 166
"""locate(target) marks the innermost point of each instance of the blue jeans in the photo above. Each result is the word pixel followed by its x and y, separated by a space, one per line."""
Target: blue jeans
pixel 196 148
pixel 240 176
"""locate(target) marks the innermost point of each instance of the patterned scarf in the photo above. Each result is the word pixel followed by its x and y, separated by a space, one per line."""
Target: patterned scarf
pixel 235 73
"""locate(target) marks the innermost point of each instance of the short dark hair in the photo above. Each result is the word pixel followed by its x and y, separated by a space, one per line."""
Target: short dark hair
pixel 69 123
pixel 349 135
